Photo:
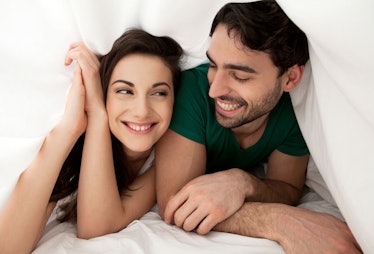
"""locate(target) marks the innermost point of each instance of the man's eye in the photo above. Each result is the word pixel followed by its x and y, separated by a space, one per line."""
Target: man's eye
pixel 240 79
pixel 212 66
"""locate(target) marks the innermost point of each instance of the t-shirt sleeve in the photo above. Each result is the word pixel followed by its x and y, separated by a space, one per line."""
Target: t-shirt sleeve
pixel 294 144
pixel 287 127
pixel 189 115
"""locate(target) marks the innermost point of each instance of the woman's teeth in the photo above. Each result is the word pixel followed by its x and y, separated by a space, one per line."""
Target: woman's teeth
pixel 139 127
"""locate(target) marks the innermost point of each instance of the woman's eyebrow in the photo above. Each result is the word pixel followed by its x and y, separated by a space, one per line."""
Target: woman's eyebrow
pixel 161 84
pixel 132 84
pixel 123 81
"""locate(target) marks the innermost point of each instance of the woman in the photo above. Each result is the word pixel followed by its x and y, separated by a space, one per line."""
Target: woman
pixel 138 78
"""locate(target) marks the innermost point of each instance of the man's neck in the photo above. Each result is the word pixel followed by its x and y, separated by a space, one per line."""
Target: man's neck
pixel 249 134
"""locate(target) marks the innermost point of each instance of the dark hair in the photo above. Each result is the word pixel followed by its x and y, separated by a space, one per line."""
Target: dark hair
pixel 263 26
pixel 141 42
pixel 132 41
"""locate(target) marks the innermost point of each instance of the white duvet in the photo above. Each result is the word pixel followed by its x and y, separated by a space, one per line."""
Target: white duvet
pixel 334 104
pixel 150 235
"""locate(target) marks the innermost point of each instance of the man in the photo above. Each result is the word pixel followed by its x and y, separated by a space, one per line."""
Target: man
pixel 229 117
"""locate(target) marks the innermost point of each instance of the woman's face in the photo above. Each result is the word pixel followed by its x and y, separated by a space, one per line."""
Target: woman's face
pixel 140 101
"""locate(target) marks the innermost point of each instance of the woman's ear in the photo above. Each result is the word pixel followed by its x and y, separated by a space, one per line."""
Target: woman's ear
pixel 293 77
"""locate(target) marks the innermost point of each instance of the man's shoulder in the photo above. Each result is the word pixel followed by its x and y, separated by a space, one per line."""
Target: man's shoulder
pixel 283 113
pixel 202 67
pixel 195 79
pixel 199 71
pixel 284 104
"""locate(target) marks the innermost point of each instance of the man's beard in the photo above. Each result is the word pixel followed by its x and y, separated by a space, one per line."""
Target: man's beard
pixel 266 105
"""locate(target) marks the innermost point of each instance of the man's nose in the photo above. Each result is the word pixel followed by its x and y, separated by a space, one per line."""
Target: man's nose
pixel 218 84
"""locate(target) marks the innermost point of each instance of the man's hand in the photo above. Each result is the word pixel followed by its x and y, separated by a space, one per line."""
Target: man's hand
pixel 297 230
pixel 207 200
pixel 314 232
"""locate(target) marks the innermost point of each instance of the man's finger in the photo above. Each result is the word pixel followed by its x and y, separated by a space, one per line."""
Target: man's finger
pixel 195 218
pixel 172 205
pixel 185 210
pixel 206 225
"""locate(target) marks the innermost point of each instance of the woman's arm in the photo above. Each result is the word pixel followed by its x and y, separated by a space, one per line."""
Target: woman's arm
pixel 101 209
pixel 112 214
pixel 27 210
pixel 98 199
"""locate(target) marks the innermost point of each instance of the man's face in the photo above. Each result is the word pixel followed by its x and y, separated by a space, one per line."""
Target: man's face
pixel 244 83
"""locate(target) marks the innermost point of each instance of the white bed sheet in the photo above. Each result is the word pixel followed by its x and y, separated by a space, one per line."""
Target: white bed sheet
pixel 150 235
pixel 333 104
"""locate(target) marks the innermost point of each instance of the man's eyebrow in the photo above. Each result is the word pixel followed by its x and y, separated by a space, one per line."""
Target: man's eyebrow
pixel 234 66
pixel 209 58
pixel 240 68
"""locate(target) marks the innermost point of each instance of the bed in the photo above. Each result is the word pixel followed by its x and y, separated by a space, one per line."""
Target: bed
pixel 333 105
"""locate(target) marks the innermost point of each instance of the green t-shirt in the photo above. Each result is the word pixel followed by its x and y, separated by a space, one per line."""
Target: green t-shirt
pixel 194 118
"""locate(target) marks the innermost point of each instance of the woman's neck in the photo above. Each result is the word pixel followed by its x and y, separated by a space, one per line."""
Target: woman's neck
pixel 136 160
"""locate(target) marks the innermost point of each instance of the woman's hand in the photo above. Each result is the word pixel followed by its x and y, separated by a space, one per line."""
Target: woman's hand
pixel 89 65
pixel 74 118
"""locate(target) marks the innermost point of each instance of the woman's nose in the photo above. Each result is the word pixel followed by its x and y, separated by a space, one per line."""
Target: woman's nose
pixel 140 107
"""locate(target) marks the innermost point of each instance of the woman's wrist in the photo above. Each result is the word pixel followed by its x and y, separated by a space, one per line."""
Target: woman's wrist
pixel 98 116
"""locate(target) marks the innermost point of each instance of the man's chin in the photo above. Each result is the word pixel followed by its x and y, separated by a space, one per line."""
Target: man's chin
pixel 226 122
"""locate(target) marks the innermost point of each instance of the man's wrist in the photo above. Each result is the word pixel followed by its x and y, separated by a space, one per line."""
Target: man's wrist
pixel 246 182
pixel 255 219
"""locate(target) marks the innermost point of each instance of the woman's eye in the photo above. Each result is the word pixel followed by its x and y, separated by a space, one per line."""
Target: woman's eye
pixel 124 91
pixel 160 93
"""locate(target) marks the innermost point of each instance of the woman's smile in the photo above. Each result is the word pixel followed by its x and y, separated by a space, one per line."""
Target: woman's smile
pixel 139 128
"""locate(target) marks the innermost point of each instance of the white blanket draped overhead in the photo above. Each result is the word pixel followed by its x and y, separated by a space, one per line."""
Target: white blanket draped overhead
pixel 333 104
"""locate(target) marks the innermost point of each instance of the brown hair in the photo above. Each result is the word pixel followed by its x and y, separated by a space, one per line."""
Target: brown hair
pixel 132 41
pixel 263 26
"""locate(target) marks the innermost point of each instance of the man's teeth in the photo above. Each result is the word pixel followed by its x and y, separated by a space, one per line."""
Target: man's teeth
pixel 228 107
pixel 139 128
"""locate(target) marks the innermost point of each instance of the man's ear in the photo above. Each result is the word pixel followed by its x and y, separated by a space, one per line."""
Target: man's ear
pixel 293 77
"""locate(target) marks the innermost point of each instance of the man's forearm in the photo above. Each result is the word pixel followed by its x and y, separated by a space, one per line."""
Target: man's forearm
pixel 274 191
pixel 268 190
pixel 252 219
pixel 290 227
